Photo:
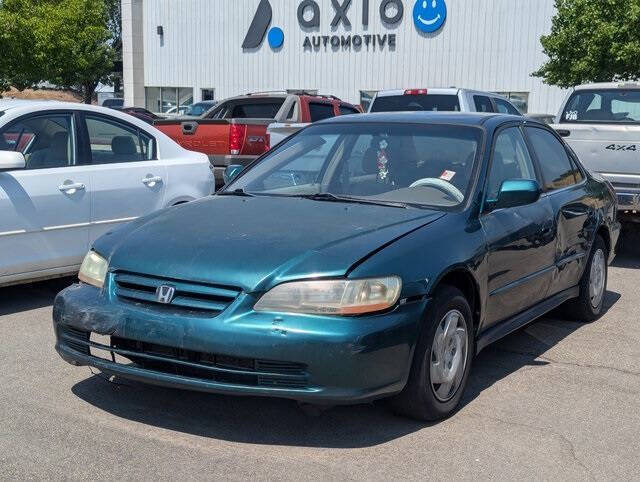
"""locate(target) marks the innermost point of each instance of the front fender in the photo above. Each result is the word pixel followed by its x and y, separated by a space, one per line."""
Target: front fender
pixel 423 258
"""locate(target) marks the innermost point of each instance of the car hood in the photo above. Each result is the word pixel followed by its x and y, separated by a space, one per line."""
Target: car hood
pixel 256 242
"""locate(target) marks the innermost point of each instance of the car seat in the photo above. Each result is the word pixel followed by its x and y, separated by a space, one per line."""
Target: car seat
pixel 124 149
pixel 56 155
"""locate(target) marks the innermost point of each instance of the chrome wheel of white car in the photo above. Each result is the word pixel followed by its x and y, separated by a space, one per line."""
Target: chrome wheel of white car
pixel 449 355
pixel 597 278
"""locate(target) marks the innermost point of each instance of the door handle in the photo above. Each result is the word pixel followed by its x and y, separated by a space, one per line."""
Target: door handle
pixel 72 188
pixel 151 181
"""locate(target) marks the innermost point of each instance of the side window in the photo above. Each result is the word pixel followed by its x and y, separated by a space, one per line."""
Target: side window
pixel 505 107
pixel 346 110
pixel 558 171
pixel 511 160
pixel 483 103
pixel 112 141
pixel 47 141
pixel 320 111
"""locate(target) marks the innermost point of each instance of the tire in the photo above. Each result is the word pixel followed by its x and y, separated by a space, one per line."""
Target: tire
pixel 421 399
pixel 587 307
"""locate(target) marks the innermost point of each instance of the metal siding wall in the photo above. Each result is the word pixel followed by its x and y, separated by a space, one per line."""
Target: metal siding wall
pixel 485 44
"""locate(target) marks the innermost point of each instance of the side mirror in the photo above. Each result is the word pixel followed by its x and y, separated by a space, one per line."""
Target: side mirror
pixel 516 192
pixel 11 160
pixel 231 172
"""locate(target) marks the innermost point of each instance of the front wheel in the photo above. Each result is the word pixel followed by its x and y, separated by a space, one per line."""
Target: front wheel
pixel 589 305
pixel 442 359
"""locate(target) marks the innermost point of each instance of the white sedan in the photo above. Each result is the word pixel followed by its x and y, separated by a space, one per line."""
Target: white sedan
pixel 71 172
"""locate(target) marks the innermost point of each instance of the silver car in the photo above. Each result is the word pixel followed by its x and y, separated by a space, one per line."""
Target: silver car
pixel 447 100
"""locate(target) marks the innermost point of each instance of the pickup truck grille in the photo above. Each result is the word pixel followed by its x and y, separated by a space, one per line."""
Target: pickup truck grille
pixel 194 297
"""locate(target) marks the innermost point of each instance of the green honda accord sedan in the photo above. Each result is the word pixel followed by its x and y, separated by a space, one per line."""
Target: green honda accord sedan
pixel 366 257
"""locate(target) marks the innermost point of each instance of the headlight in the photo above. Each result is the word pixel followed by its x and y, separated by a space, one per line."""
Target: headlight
pixel 332 297
pixel 94 269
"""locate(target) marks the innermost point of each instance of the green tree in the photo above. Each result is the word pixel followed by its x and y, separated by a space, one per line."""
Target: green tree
pixel 65 42
pixel 592 41
pixel 20 64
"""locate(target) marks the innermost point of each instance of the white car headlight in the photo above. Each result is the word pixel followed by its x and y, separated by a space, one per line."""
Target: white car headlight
pixel 94 269
pixel 332 297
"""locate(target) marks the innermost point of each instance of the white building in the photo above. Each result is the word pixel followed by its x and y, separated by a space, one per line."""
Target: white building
pixel 182 51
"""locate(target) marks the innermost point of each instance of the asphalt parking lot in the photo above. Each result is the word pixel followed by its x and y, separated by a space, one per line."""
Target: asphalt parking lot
pixel 557 400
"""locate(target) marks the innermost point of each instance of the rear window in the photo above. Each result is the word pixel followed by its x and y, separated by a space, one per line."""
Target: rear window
pixel 603 106
pixel 346 110
pixel 320 111
pixel 483 103
pixel 401 103
pixel 248 109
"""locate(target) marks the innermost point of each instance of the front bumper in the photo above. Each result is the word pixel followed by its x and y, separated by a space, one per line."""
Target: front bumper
pixel 627 189
pixel 308 358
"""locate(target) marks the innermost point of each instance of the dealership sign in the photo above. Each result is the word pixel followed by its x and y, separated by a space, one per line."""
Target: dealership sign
pixel 428 16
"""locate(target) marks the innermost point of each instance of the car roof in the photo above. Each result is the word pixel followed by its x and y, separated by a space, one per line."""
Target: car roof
pixel 433 91
pixel 608 85
pixel 423 117
pixel 436 91
pixel 16 108
pixel 7 104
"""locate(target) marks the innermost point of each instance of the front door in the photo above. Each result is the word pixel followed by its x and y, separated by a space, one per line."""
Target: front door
pixel 127 179
pixel 520 239
pixel 45 208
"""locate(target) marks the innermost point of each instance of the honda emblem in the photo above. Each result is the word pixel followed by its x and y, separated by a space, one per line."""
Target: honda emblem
pixel 165 294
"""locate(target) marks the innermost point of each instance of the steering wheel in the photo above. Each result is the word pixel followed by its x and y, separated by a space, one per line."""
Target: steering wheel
pixel 442 185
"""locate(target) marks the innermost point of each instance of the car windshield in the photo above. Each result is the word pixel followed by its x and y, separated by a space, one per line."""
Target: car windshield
pixel 409 164
pixel 422 102
pixel 603 106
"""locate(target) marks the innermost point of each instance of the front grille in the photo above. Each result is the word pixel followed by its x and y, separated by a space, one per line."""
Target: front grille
pixel 194 297
pixel 193 364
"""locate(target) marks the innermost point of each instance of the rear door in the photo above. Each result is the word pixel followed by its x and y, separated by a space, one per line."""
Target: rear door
pixel 520 239
pixel 127 178
pixel 45 208
pixel 574 211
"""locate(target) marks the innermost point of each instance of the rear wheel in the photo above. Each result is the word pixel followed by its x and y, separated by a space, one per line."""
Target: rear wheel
pixel 589 305
pixel 442 359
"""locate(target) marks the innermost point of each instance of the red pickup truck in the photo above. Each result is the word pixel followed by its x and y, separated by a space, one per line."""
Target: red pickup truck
pixel 235 131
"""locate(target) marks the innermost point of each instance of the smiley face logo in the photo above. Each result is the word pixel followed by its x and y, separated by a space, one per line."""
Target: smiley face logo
pixel 429 15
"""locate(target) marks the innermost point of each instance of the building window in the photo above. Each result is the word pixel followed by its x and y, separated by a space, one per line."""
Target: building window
pixel 208 94
pixel 519 99
pixel 168 100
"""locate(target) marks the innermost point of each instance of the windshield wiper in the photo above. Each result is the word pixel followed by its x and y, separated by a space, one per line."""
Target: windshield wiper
pixel 327 196
pixel 237 192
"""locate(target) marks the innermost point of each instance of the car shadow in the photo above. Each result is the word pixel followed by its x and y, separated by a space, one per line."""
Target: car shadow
pixel 26 297
pixel 523 348
pixel 271 421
